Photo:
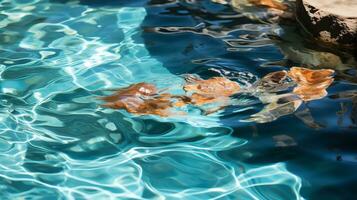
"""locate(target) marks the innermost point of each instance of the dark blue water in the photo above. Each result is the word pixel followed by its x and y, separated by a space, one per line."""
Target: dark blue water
pixel 57 142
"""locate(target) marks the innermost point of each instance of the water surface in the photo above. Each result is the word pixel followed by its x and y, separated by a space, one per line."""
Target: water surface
pixel 57 142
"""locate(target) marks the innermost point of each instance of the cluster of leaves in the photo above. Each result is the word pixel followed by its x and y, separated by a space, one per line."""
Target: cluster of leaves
pixel 144 98
pixel 307 84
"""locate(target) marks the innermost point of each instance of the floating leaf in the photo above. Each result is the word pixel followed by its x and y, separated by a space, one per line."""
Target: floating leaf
pixel 217 102
pixel 201 99
pixel 139 89
pixel 142 98
pixel 304 76
pixel 309 93
pixel 216 90
pixel 311 84
pixel 216 86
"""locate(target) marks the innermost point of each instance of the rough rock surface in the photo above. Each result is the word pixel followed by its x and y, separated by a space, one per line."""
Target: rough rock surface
pixel 331 21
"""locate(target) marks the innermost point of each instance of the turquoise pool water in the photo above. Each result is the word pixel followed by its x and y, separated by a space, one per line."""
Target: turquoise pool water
pixel 57 142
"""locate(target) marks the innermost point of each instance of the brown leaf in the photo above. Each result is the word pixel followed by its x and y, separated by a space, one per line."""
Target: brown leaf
pixel 269 3
pixel 312 92
pixel 216 86
pixel 311 84
pixel 140 98
pixel 139 89
pixel 143 98
pixel 216 90
pixel 201 99
pixel 304 76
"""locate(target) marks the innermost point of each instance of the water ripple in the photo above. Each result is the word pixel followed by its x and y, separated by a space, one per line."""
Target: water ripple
pixel 57 143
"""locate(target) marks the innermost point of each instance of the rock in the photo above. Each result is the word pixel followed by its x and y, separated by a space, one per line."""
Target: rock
pixel 330 21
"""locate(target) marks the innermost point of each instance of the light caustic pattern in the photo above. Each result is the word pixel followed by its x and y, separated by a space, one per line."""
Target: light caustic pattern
pixel 57 143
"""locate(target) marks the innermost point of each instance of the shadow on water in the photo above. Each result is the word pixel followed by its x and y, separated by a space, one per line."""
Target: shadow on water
pixel 196 36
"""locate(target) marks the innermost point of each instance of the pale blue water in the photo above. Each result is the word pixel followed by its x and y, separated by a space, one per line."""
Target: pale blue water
pixel 56 142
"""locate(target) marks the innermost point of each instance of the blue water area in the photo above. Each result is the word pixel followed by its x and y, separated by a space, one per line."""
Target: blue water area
pixel 57 57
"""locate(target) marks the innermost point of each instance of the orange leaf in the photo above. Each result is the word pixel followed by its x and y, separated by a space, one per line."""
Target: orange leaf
pixel 269 3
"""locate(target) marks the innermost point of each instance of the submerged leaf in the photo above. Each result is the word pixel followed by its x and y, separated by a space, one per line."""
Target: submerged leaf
pixel 275 110
pixel 284 141
pixel 274 82
pixel 306 117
